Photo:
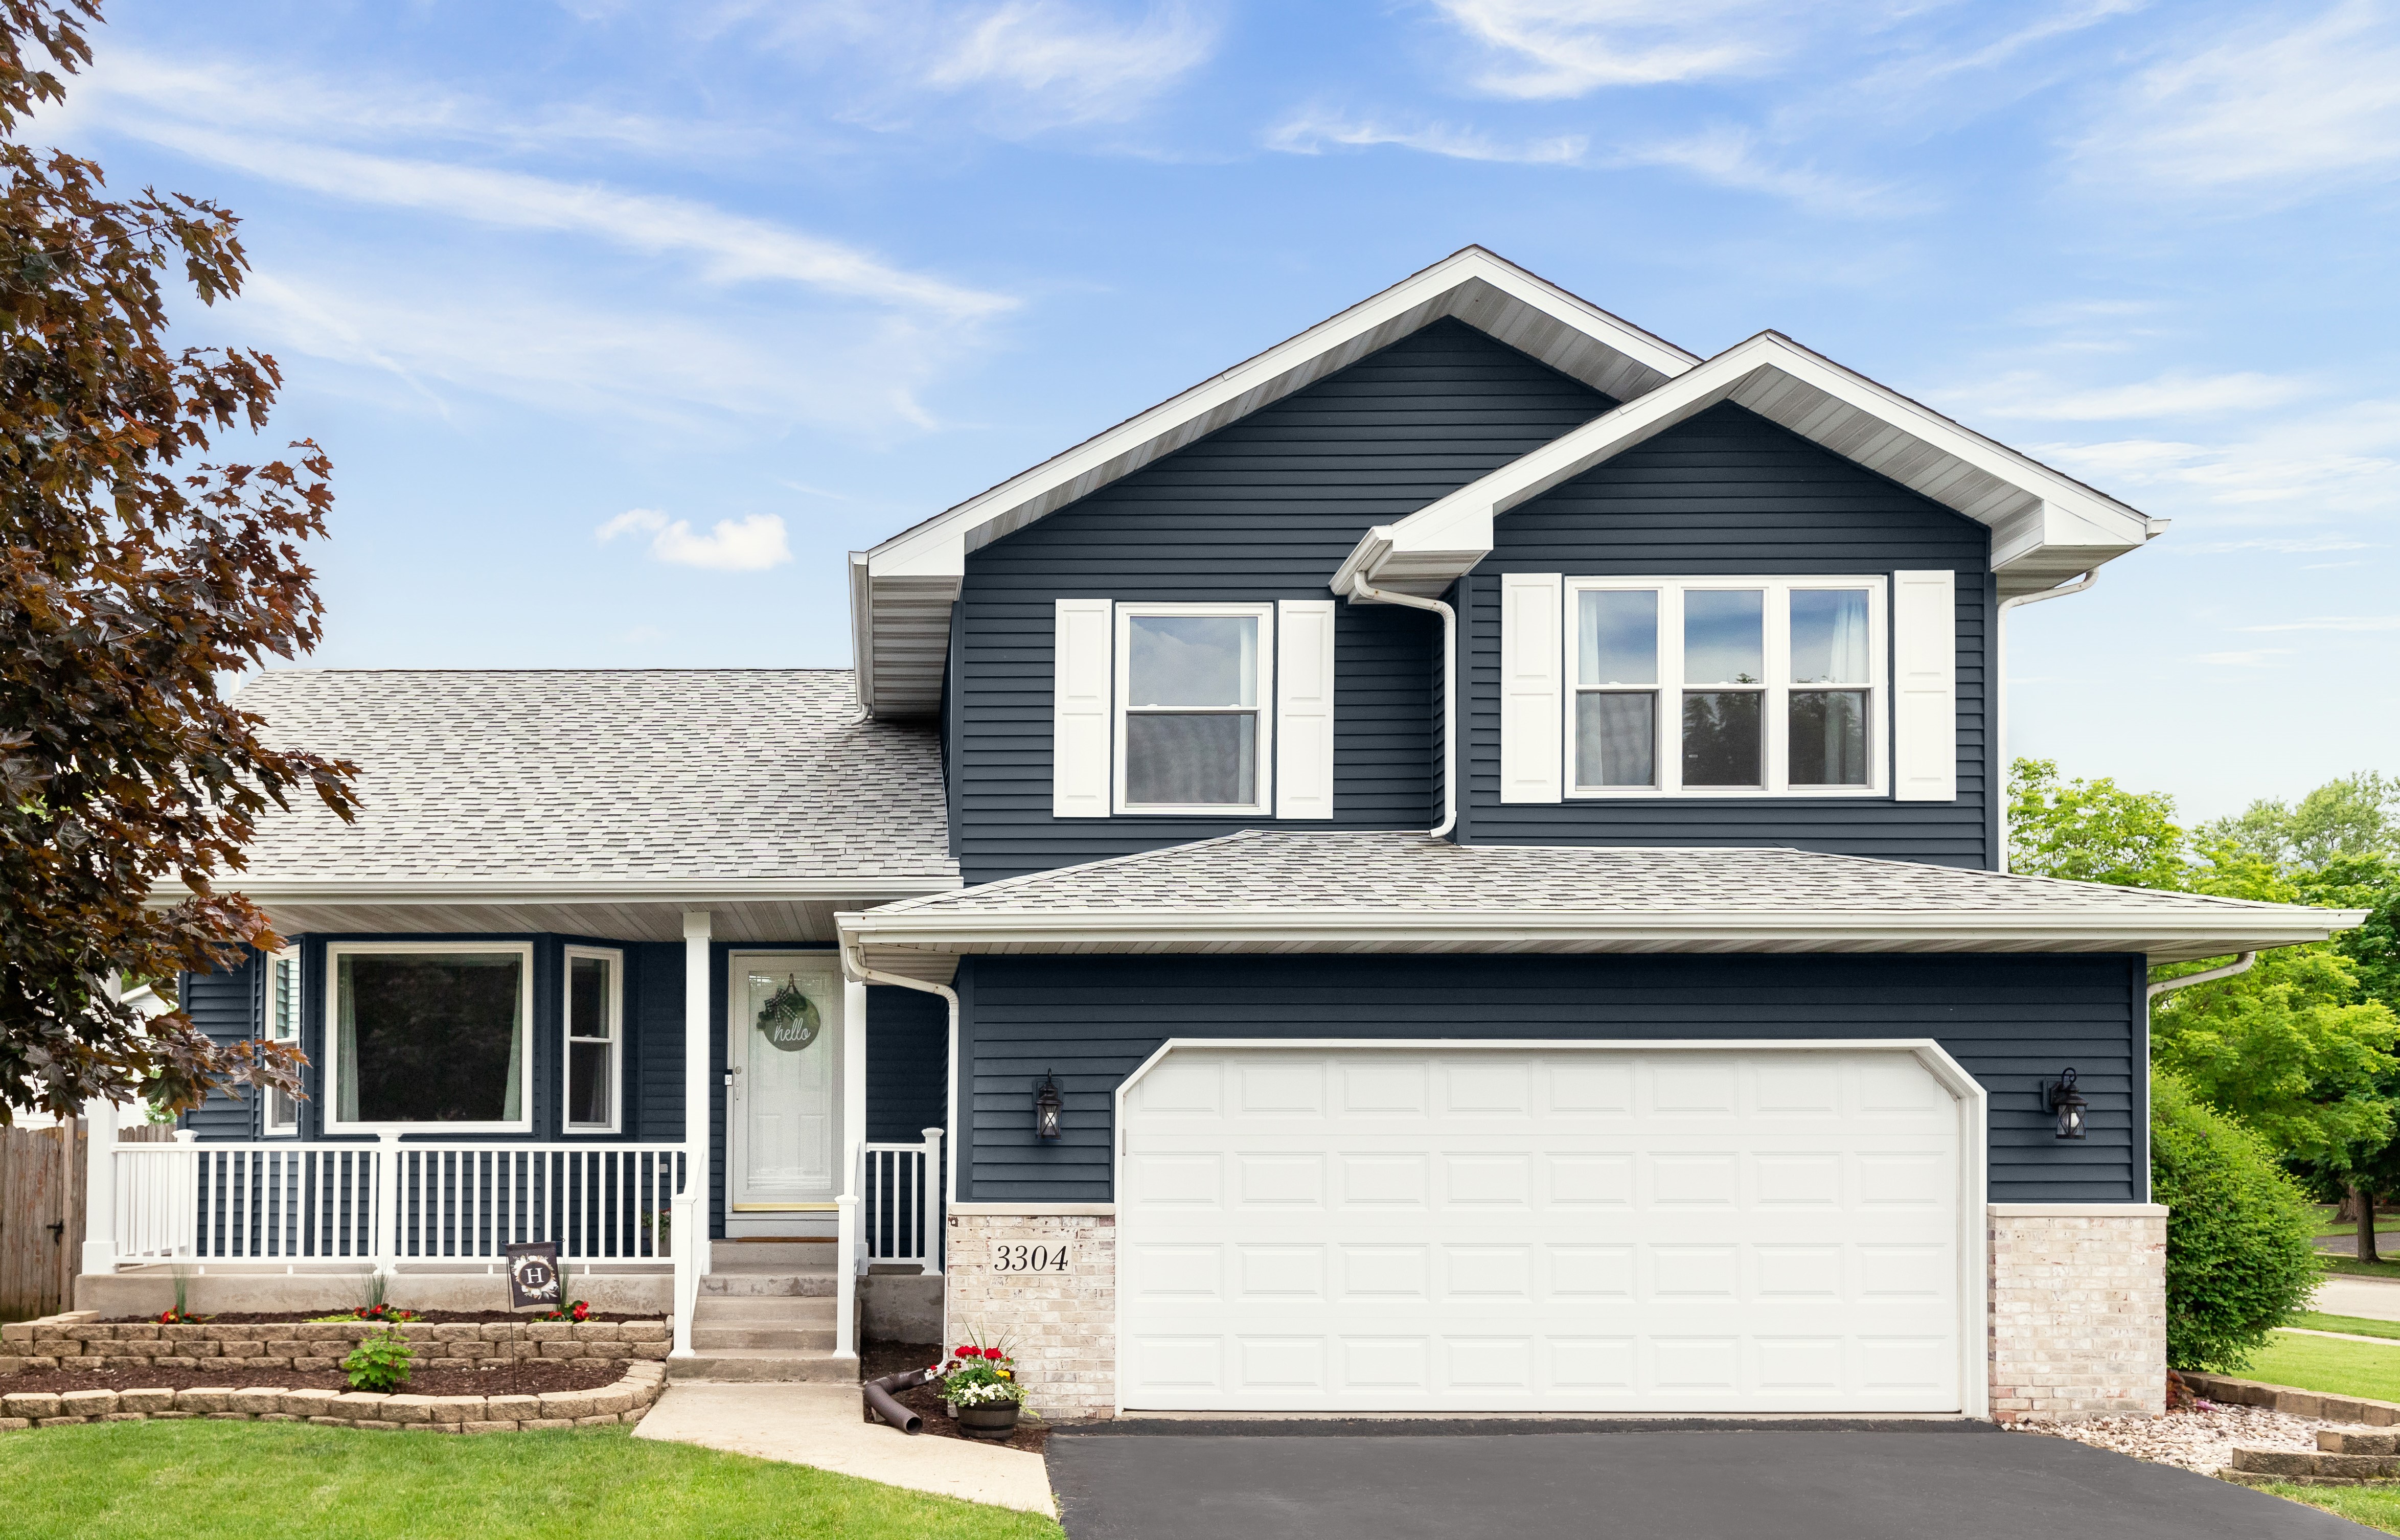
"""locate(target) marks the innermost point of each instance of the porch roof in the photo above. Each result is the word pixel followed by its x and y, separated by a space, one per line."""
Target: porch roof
pixel 1276 892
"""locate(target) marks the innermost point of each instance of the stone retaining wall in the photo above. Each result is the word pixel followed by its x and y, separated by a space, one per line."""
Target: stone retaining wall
pixel 78 1342
pixel 623 1402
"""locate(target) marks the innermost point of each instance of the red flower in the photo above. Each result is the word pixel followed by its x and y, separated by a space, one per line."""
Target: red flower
pixel 966 1353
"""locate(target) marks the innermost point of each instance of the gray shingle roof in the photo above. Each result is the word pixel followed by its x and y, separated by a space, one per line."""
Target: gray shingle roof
pixel 638 774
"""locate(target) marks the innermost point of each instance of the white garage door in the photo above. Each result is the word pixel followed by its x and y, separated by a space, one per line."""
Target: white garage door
pixel 1540 1229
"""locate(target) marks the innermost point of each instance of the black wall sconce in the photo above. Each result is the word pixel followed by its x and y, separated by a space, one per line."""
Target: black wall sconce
pixel 2067 1105
pixel 1048 1102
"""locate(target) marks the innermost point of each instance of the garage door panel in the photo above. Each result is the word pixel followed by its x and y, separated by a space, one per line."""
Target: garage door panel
pixel 1599 1231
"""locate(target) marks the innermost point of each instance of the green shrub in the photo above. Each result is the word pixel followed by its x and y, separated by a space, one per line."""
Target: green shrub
pixel 379 1362
pixel 2239 1258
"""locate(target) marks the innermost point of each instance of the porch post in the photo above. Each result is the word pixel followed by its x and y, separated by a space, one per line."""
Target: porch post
pixel 932 1203
pixel 99 1186
pixel 849 1244
pixel 697 979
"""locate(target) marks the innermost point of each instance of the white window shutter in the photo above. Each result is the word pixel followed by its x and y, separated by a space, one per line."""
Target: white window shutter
pixel 1305 708
pixel 1533 704
pixel 1924 686
pixel 1081 702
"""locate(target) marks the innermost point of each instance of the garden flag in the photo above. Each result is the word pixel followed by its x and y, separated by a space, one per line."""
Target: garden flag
pixel 533 1274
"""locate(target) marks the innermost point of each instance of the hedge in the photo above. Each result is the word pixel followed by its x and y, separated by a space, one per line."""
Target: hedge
pixel 2240 1258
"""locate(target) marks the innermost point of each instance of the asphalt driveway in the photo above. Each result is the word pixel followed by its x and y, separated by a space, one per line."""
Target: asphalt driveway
pixel 1395 1481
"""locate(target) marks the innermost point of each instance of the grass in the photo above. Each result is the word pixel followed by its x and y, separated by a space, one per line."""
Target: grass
pixel 2357 1325
pixel 201 1480
pixel 2321 1363
pixel 2333 1262
pixel 2385 1224
pixel 2376 1507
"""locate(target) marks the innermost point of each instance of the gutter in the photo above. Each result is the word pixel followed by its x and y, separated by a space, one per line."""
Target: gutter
pixel 2239 965
pixel 1361 594
pixel 573 890
pixel 854 965
pixel 2000 694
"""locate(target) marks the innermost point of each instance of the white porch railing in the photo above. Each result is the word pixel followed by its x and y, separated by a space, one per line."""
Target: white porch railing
pixel 392 1203
pixel 902 1185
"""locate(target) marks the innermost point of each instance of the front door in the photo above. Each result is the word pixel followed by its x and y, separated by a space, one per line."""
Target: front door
pixel 784 1109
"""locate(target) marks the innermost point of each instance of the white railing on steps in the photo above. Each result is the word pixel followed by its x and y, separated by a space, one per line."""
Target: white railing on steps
pixel 902 1213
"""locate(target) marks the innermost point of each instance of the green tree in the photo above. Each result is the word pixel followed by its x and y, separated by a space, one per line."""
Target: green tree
pixel 2091 831
pixel 2240 1258
pixel 2355 815
pixel 135 572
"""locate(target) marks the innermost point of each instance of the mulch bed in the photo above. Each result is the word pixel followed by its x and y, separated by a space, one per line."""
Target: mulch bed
pixel 528 1376
pixel 881 1359
pixel 424 1317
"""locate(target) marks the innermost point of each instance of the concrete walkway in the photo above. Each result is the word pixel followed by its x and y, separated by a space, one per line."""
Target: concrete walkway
pixel 2375 1299
pixel 817 1425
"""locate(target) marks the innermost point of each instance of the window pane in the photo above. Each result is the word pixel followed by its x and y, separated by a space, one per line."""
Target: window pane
pixel 1720 738
pixel 282 1111
pixel 1618 638
pixel 587 1083
pixel 1723 636
pixel 285 1025
pixel 1616 735
pixel 429 1039
pixel 1180 760
pixel 1829 738
pixel 1193 661
pixel 586 997
pixel 1828 637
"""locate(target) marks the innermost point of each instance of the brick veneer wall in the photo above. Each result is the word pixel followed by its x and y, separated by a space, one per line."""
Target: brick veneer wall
pixel 1062 1323
pixel 2079 1312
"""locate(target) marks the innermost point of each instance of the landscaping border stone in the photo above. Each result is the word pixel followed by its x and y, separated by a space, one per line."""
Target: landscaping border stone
pixel 624 1401
pixel 78 1340
pixel 2299 1403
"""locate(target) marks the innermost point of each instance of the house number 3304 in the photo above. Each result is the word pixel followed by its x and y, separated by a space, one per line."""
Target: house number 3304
pixel 1029 1259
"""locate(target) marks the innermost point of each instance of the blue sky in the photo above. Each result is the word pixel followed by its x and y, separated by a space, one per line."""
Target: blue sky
pixel 622 320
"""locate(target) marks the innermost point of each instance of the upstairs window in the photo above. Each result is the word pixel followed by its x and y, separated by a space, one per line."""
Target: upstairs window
pixel 594 1035
pixel 283 1027
pixel 1724 686
pixel 1191 736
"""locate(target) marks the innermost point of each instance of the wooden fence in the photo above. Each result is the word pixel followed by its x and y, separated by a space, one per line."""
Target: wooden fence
pixel 41 1218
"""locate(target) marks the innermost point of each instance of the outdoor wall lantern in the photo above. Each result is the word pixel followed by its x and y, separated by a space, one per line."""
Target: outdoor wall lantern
pixel 2067 1105
pixel 1047 1104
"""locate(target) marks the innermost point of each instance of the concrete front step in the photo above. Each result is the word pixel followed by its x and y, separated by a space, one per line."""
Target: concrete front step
pixel 765 1310
pixel 769 1279
pixel 763 1366
pixel 798 1255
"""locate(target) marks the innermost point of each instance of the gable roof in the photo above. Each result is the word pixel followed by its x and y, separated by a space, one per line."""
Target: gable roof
pixel 2046 525
pixel 901 591
pixel 1266 890
pixel 600 781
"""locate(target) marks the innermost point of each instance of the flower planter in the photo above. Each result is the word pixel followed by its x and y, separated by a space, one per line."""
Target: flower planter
pixel 991 1422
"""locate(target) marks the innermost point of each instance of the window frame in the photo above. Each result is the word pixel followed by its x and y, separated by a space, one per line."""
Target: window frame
pixel 1120 707
pixel 275 987
pixel 1776 708
pixel 330 1120
pixel 615 958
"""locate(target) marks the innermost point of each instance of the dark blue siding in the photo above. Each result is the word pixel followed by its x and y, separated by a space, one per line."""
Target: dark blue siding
pixel 226 1007
pixel 1731 493
pixel 907 1063
pixel 1262 509
pixel 654 1053
pixel 2013 1022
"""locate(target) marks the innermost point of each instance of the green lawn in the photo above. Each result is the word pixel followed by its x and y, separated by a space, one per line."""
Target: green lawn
pixel 2336 1367
pixel 2378 1507
pixel 2334 1263
pixel 202 1480
pixel 2357 1325
pixel 2385 1224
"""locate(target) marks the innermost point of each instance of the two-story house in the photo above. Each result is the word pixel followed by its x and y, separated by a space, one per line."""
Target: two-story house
pixel 1456 865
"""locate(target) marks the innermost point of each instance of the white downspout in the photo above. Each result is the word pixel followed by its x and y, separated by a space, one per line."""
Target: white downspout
pixel 854 965
pixel 1998 777
pixel 1359 590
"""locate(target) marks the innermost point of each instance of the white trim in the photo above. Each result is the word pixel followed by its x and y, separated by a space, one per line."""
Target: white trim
pixel 1001 1209
pixel 1082 647
pixel 615 958
pixel 1776 685
pixel 329 1121
pixel 1303 707
pixel 598 890
pixel 2041 518
pixel 1974 1238
pixel 2077 1211
pixel 1261 711
pixel 268 1126
pixel 1925 688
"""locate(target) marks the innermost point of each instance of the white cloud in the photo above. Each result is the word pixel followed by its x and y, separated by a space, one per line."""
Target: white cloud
pixel 1312 130
pixel 1732 158
pixel 2036 397
pixel 1080 66
pixel 1571 48
pixel 2334 622
pixel 2256 657
pixel 2304 545
pixel 2342 461
pixel 733 545
pixel 2288 113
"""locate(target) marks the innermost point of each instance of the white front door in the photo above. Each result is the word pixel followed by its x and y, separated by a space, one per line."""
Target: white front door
pixel 1542 1230
pixel 784 1110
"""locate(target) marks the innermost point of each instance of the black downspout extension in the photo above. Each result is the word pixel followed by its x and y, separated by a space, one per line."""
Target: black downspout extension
pixel 879 1406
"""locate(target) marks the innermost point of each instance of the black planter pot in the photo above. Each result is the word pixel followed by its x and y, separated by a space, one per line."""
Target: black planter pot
pixel 991 1422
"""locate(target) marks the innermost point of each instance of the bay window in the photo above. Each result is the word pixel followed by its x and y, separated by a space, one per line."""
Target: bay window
pixel 1192 731
pixel 594 1036
pixel 1724 686
pixel 429 1033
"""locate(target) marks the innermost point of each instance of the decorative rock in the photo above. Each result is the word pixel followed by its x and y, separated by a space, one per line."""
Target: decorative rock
pixel 203 1398
pixel 514 1407
pixel 154 1400
pixel 567 1403
pixel 87 1403
pixel 2202 1439
pixel 309 1403
pixel 251 1400
pixel 356 1403
pixel 30 1403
